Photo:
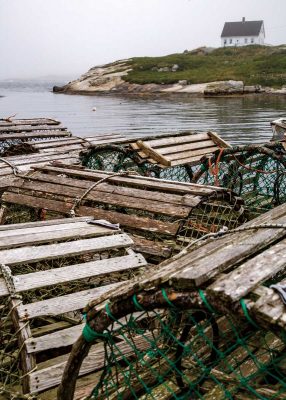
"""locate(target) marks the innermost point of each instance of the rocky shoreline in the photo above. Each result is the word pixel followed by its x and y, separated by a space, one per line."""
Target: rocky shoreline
pixel 110 79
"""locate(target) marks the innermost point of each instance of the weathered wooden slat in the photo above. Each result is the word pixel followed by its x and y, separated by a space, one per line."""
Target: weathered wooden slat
pixel 178 140
pixel 151 152
pixel 147 182
pixel 71 232
pixel 33 254
pixel 73 272
pixel 190 160
pixel 43 224
pixel 130 221
pixel 30 128
pixel 100 197
pixel 185 147
pixel 187 200
pixel 228 254
pixel 25 136
pixel 62 304
pixel 51 376
pixel 218 140
pixel 182 156
pixel 247 276
pixel 31 121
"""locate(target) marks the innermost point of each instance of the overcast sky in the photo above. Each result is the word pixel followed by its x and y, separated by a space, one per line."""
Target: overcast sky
pixel 67 37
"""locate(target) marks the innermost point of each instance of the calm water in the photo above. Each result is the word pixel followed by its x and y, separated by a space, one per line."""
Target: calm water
pixel 237 119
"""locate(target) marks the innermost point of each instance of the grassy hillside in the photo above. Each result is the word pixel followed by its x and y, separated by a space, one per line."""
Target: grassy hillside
pixel 262 65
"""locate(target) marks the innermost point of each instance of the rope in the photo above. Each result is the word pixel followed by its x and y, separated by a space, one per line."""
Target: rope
pixel 215 171
pixel 79 200
pixel 14 168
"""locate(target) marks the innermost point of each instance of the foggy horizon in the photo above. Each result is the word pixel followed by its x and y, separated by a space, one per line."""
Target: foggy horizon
pixel 62 39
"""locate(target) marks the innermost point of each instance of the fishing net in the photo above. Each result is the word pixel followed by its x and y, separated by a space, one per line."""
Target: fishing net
pixel 256 173
pixel 169 345
pixel 117 158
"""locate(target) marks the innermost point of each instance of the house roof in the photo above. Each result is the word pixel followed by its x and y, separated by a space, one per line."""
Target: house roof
pixel 242 28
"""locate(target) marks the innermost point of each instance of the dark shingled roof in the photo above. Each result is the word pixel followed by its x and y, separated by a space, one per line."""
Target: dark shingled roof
pixel 242 28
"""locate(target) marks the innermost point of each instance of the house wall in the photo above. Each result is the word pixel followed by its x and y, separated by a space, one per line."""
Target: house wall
pixel 242 40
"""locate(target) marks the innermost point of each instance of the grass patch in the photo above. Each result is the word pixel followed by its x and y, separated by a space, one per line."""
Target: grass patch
pixel 255 65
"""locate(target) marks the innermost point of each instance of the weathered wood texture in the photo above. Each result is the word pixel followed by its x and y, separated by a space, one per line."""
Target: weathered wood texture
pixel 234 267
pixel 187 148
pixel 79 257
pixel 151 208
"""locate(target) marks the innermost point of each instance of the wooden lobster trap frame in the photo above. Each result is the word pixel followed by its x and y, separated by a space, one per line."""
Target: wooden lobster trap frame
pixel 214 323
pixel 49 271
pixel 161 216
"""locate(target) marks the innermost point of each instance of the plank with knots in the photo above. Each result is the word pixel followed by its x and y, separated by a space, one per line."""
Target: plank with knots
pixel 75 272
pixel 130 221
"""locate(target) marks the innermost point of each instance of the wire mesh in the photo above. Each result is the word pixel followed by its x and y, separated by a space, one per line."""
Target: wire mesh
pixel 175 352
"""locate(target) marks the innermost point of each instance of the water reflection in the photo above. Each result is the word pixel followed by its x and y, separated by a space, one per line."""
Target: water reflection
pixel 236 119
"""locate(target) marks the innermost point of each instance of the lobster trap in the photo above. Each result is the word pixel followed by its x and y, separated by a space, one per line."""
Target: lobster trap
pixel 172 157
pixel 161 216
pixel 49 270
pixel 255 172
pixel 206 325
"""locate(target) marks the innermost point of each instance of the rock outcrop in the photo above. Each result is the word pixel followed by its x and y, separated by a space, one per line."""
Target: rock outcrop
pixel 109 79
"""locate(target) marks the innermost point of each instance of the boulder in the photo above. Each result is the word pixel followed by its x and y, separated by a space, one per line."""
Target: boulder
pixel 175 68
pixel 224 87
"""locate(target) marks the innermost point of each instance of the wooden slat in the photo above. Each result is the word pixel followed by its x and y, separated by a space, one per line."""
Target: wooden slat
pixel 247 276
pixel 33 254
pixel 218 140
pixel 182 156
pixel 61 221
pixel 31 135
pixel 30 128
pixel 146 182
pixel 71 232
pixel 153 153
pixel 159 207
pixel 51 376
pixel 62 304
pixel 178 140
pixel 71 273
pixel 190 160
pixel 228 253
pixel 31 121
pixel 186 200
pixel 130 221
pixel 186 147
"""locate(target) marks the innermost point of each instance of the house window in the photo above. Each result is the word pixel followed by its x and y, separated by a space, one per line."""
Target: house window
pixel 225 41
pixel 230 41
pixel 245 40
pixel 252 40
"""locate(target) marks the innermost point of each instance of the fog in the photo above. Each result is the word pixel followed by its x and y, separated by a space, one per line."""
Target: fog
pixel 41 38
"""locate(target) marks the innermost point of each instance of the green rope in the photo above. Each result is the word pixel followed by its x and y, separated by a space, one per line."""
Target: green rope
pixel 246 314
pixel 168 301
pixel 206 303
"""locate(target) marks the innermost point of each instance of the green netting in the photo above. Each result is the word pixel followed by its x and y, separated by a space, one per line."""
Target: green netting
pixel 165 349
pixel 256 173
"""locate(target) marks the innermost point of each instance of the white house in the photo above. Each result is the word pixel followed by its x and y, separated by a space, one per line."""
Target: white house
pixel 242 33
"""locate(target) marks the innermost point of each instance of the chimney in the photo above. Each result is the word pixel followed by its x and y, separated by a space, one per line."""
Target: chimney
pixel 243 19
